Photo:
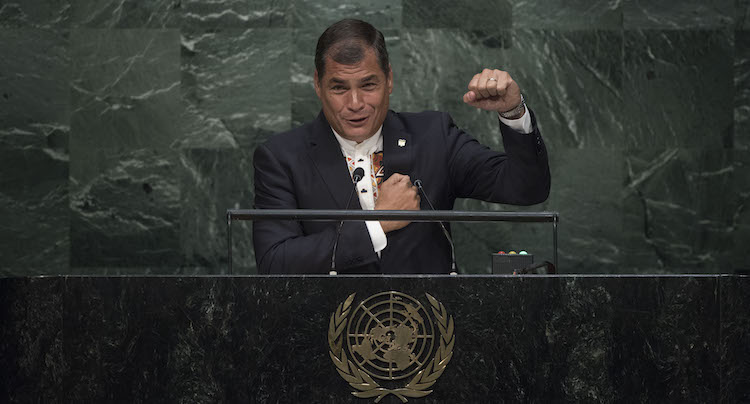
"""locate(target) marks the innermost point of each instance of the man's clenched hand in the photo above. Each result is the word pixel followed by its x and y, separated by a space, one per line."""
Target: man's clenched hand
pixel 493 90
pixel 397 193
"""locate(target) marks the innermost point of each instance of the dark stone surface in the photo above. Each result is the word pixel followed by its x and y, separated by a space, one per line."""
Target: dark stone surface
pixel 741 220
pixel 125 92
pixel 319 14
pixel 125 184
pixel 45 14
pixel 125 199
pixel 587 214
pixel 561 14
pixel 34 158
pixel 680 14
pixel 742 90
pixel 742 14
pixel 32 360
pixel 236 13
pixel 263 339
pixel 452 14
pixel 576 81
pixel 207 190
pixel 735 340
pixel 676 86
pixel 671 218
pixel 125 13
pixel 236 85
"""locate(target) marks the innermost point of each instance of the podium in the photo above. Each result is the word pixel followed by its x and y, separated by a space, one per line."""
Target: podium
pixel 268 339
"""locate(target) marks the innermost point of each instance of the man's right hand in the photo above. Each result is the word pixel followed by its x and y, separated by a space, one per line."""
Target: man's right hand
pixel 396 193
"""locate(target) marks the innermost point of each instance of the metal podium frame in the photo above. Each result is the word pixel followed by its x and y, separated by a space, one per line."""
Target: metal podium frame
pixel 408 215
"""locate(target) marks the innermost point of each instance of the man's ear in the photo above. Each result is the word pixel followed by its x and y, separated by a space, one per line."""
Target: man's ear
pixel 316 83
pixel 390 79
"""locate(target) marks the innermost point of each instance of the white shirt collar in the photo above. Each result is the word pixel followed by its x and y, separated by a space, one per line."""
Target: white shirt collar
pixel 367 147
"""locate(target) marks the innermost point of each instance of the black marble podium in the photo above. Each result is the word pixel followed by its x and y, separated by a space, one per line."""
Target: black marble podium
pixel 264 339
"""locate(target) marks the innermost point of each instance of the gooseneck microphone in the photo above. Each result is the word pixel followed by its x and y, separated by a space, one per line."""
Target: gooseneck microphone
pixel 454 271
pixel 357 175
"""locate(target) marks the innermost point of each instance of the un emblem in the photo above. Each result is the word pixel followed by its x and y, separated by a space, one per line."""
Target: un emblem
pixel 389 344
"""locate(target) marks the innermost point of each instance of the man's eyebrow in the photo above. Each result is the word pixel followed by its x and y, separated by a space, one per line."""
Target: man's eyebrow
pixel 372 77
pixel 337 80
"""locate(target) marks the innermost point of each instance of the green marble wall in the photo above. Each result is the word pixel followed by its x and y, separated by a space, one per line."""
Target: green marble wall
pixel 127 128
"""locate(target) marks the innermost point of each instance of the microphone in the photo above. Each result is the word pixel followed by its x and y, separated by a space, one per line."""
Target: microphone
pixel 357 175
pixel 454 271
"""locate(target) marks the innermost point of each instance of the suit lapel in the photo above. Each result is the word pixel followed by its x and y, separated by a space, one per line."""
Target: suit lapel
pixel 326 154
pixel 398 147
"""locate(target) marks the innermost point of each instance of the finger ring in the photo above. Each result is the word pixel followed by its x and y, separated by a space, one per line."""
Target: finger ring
pixel 492 79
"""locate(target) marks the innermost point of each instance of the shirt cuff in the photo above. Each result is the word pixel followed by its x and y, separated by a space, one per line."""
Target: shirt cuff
pixel 377 235
pixel 521 125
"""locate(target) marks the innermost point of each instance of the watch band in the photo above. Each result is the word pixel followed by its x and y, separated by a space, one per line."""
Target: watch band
pixel 513 113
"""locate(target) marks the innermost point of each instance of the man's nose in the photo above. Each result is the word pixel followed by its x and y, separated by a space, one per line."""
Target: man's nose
pixel 355 100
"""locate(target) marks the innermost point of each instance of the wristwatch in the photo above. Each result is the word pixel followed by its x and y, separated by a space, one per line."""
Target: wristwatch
pixel 515 112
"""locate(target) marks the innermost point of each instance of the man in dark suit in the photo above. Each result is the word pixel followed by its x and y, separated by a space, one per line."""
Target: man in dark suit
pixel 310 167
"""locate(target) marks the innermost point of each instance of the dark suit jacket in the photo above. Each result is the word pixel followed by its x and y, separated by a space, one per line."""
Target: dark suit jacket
pixel 305 169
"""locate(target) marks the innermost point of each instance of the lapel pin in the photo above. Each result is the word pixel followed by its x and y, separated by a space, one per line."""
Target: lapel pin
pixel 401 142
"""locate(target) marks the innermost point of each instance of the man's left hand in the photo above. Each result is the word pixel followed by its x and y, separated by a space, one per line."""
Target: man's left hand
pixel 493 90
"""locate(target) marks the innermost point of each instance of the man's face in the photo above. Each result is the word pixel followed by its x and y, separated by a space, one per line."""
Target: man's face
pixel 355 97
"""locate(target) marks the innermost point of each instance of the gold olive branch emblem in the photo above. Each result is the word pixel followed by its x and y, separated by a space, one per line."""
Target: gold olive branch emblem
pixel 367 386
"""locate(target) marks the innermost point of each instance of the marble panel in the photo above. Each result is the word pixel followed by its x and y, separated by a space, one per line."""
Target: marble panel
pixel 739 200
pixel 125 89
pixel 319 14
pixel 481 15
pixel 438 66
pixel 742 14
pixel 235 84
pixel 214 181
pixel 125 13
pixel 682 210
pixel 665 326
pixel 34 72
pixel 586 192
pixel 305 103
pixel 47 14
pixel 137 328
pixel 32 362
pixel 125 210
pixel 559 14
pixel 573 81
pixel 741 138
pixel 34 130
pixel 680 14
pixel 34 202
pixel 676 85
pixel 735 339
pixel 222 14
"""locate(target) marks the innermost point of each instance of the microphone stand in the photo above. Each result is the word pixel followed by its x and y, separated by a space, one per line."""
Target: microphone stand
pixel 356 178
pixel 454 270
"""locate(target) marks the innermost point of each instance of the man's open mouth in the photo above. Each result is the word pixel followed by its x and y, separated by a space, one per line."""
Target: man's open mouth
pixel 358 120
